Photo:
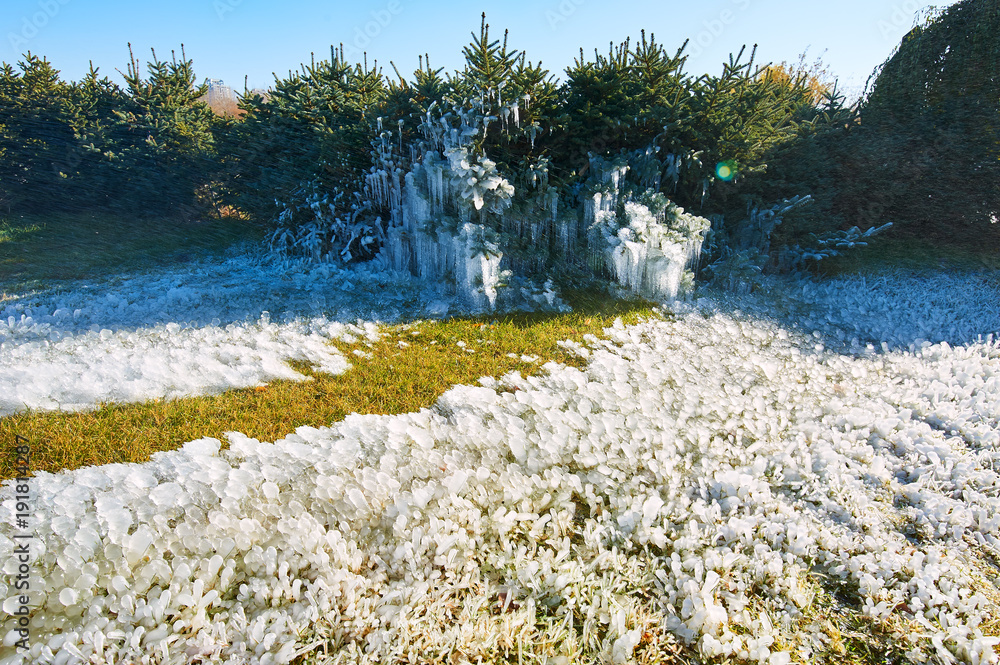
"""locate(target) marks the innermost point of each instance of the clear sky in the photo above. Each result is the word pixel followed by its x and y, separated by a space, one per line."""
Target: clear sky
pixel 230 39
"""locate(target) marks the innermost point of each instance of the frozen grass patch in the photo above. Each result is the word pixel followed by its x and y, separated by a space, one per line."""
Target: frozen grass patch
pixel 711 479
pixel 395 369
pixel 709 483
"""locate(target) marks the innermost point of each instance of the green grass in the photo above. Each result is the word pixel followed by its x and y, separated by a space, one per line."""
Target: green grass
pixel 39 250
pixel 406 370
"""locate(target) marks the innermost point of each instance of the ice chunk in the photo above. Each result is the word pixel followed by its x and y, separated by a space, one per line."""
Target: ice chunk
pixel 207 447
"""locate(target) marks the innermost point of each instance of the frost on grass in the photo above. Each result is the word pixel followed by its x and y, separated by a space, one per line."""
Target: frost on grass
pixel 82 371
pixel 894 309
pixel 171 334
pixel 695 483
pixel 211 328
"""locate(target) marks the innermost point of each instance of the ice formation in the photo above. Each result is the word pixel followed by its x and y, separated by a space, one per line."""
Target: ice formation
pixel 437 209
pixel 648 243
pixel 690 478
pixel 213 326
pixel 453 215
pixel 440 208
pixel 165 361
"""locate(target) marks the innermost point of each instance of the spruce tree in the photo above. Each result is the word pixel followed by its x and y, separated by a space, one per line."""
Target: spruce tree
pixel 93 102
pixel 931 127
pixel 37 142
pixel 167 144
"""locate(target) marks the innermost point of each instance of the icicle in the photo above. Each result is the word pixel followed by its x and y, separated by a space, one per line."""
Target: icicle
pixel 517 114
pixel 439 188
pixel 590 209
pixel 563 230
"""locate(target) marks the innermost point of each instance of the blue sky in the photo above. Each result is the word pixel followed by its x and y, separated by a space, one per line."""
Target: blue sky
pixel 230 39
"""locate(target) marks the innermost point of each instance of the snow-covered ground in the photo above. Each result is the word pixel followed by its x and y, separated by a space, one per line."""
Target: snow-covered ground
pixel 208 328
pixel 702 473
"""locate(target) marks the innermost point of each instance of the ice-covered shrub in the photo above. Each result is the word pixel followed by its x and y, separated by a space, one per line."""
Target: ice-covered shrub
pixel 740 271
pixel 755 229
pixel 454 215
pixel 650 244
pixel 746 253
pixel 312 225
pixel 825 245
pixel 743 251
pixel 444 206
pixel 532 166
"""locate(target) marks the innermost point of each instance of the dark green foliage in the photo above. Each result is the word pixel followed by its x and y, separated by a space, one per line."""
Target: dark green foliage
pixel 819 160
pixel 315 125
pixel 37 142
pixel 163 143
pixel 738 117
pixel 639 96
pixel 935 105
pixel 620 101
pixel 89 144
pixel 494 76
pixel 95 181
pixel 921 149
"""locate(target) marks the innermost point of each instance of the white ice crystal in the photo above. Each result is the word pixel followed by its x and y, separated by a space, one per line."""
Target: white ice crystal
pixel 138 339
pixel 708 463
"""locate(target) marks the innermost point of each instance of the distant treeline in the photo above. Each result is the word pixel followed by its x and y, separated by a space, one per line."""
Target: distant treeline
pixel 920 149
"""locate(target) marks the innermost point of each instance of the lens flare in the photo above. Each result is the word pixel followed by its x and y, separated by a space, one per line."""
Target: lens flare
pixel 725 171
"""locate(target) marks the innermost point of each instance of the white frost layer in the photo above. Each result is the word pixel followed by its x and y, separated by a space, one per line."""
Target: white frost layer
pixel 80 372
pixel 201 330
pixel 236 290
pixel 711 463
pixel 899 309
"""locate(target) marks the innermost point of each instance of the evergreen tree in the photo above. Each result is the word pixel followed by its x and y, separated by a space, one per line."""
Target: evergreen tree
pixel 498 79
pixel 930 127
pixel 489 66
pixel 93 102
pixel 37 143
pixel 164 137
pixel 315 125
pixel 734 120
